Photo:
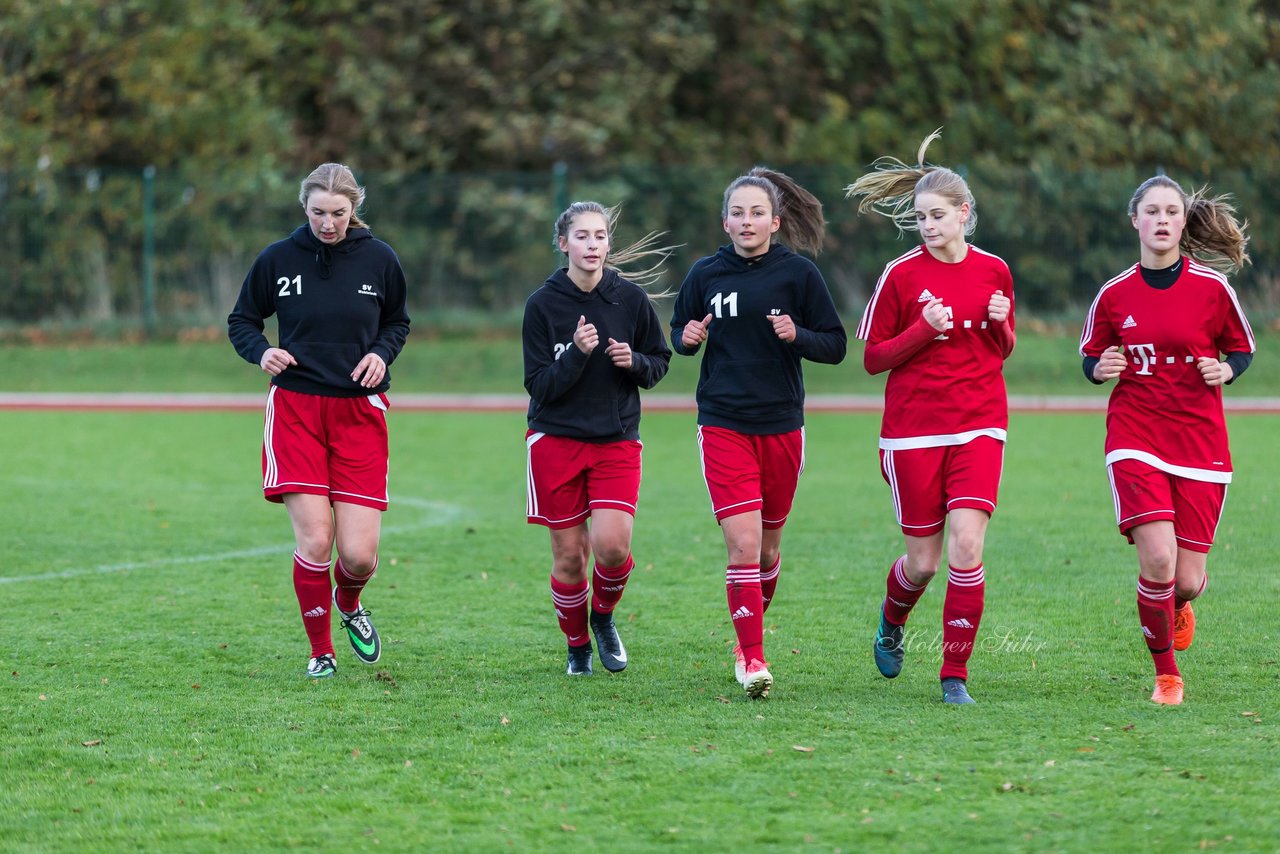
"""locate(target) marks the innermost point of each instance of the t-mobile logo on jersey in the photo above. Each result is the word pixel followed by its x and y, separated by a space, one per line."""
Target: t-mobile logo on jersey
pixel 1144 355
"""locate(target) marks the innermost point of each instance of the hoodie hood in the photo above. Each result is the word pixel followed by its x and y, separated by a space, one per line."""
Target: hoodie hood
pixel 560 282
pixel 324 252
pixel 731 259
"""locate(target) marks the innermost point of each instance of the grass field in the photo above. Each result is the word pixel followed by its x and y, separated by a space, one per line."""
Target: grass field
pixel 154 697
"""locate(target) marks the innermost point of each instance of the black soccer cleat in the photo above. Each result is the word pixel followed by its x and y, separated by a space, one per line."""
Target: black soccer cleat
pixel 360 631
pixel 888 650
pixel 955 692
pixel 579 660
pixel 613 655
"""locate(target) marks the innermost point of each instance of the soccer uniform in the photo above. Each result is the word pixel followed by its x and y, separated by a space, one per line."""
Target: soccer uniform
pixel 584 434
pixel 946 413
pixel 946 418
pixel 1161 415
pixel 751 396
pixel 325 434
pixel 751 381
pixel 584 412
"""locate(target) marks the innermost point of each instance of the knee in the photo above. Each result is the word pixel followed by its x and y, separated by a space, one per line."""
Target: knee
pixel 613 552
pixel 1157 564
pixel 965 549
pixel 921 571
pixel 1190 588
pixel 316 544
pixel 744 552
pixel 359 564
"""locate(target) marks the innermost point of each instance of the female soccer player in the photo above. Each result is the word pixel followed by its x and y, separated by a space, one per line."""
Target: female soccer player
pixel 591 341
pixel 940 321
pixel 759 308
pixel 1159 329
pixel 339 297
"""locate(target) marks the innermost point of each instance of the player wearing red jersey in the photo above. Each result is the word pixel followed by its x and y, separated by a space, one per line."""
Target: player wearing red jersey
pixel 591 341
pixel 940 321
pixel 339 296
pixel 759 308
pixel 1159 329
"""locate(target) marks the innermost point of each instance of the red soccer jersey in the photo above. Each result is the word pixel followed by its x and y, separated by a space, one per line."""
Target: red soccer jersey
pixel 1161 411
pixel 952 390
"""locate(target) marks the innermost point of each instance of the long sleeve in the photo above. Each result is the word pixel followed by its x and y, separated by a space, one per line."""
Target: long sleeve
pixel 247 320
pixel 650 356
pixel 687 305
pixel 886 355
pixel 547 376
pixel 393 326
pixel 823 337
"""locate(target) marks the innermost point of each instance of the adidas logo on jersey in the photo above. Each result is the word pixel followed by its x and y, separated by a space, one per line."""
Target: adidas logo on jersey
pixel 925 296
pixel 316 612
pixel 742 613
pixel 960 623
pixel 1129 323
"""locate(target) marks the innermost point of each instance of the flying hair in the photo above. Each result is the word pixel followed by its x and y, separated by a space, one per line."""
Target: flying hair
pixel 800 219
pixel 648 250
pixel 1213 235
pixel 891 187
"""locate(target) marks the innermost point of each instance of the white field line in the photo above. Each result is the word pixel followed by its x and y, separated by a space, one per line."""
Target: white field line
pixel 435 513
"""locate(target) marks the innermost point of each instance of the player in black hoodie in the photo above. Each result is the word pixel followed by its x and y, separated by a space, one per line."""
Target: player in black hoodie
pixel 339 298
pixel 759 308
pixel 591 341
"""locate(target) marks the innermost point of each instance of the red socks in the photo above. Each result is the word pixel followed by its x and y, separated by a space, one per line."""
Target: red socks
pixel 311 584
pixel 961 614
pixel 900 595
pixel 1155 612
pixel 607 584
pixel 570 601
pixel 349 586
pixel 769 582
pixel 746 608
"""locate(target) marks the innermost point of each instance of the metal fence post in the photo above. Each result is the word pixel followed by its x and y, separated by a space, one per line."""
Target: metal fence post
pixel 149 249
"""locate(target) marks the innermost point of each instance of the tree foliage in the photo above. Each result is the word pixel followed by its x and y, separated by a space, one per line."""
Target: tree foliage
pixel 230 100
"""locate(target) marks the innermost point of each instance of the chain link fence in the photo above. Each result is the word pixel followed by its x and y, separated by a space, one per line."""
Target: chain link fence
pixel 164 250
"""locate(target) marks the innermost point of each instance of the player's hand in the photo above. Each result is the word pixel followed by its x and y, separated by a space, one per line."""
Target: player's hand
pixel 586 336
pixel 371 371
pixel 695 331
pixel 783 326
pixel 620 353
pixel 1111 364
pixel 1213 371
pixel 998 308
pixel 275 360
pixel 935 314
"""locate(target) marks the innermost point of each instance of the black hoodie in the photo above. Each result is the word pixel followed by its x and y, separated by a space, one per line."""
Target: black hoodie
pixel 334 304
pixel 584 396
pixel 751 380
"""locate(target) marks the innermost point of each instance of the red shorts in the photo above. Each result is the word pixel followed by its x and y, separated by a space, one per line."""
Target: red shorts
pixel 333 446
pixel 928 483
pixel 569 478
pixel 746 472
pixel 1144 493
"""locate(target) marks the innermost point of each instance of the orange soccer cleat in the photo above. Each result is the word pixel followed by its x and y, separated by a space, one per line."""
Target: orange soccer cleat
pixel 1168 690
pixel 739 664
pixel 1184 627
pixel 757 680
